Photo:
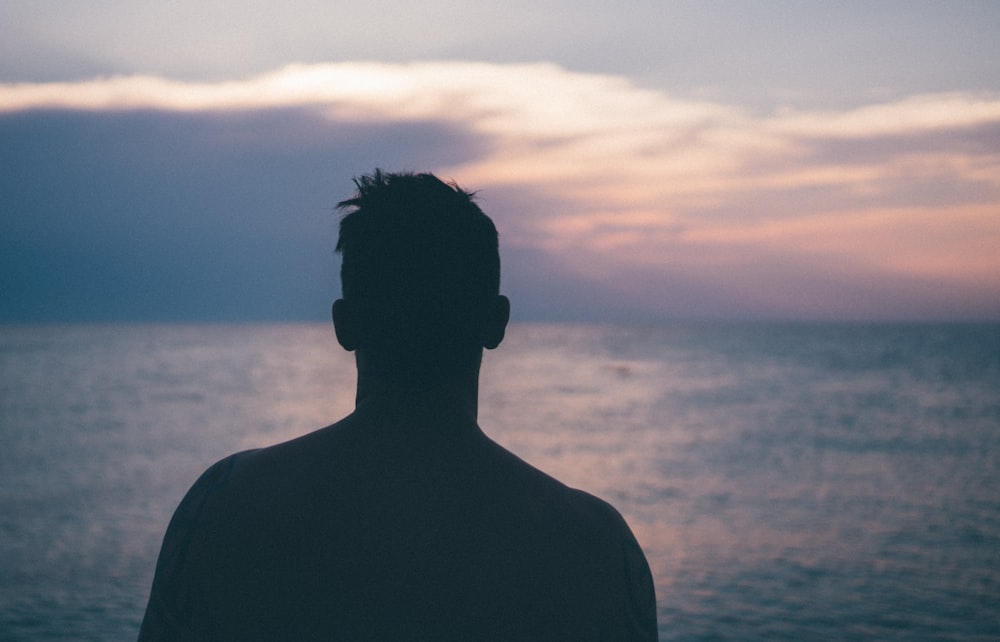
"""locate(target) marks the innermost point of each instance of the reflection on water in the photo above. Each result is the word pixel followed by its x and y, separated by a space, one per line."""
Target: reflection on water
pixel 785 481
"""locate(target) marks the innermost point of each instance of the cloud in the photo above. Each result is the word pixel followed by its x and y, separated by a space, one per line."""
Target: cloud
pixel 889 209
pixel 156 215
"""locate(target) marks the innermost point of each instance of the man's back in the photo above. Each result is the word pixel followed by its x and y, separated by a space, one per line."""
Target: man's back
pixel 403 521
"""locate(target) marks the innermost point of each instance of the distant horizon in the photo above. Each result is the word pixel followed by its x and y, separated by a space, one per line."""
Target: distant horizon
pixel 515 321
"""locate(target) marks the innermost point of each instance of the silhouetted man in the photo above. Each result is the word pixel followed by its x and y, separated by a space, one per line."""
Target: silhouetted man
pixel 402 521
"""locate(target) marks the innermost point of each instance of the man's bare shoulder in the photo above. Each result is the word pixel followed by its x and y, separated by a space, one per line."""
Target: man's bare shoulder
pixel 359 462
pixel 263 472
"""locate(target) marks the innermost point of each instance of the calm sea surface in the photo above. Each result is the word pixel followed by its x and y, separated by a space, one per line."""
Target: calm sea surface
pixel 787 481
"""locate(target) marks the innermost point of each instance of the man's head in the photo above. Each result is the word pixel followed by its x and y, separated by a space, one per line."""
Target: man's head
pixel 420 273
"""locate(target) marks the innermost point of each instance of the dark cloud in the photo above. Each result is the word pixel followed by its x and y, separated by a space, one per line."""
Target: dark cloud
pixel 163 216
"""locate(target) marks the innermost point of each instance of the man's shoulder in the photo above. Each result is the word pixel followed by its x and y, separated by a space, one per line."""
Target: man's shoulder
pixel 552 496
pixel 281 460
pixel 343 465
pixel 255 473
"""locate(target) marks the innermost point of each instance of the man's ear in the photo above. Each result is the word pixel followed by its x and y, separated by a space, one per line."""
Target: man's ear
pixel 344 325
pixel 496 322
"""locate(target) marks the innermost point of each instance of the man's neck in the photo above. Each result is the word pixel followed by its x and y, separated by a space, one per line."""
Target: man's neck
pixel 456 394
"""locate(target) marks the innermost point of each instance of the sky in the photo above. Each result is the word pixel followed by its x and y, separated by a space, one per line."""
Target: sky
pixel 643 160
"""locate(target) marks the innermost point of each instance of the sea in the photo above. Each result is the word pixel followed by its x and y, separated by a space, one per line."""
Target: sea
pixel 787 481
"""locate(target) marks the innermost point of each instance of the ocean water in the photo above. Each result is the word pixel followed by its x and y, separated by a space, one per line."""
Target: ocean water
pixel 787 481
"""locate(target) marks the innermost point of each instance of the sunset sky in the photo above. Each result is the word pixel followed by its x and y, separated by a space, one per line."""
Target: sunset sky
pixel 643 160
